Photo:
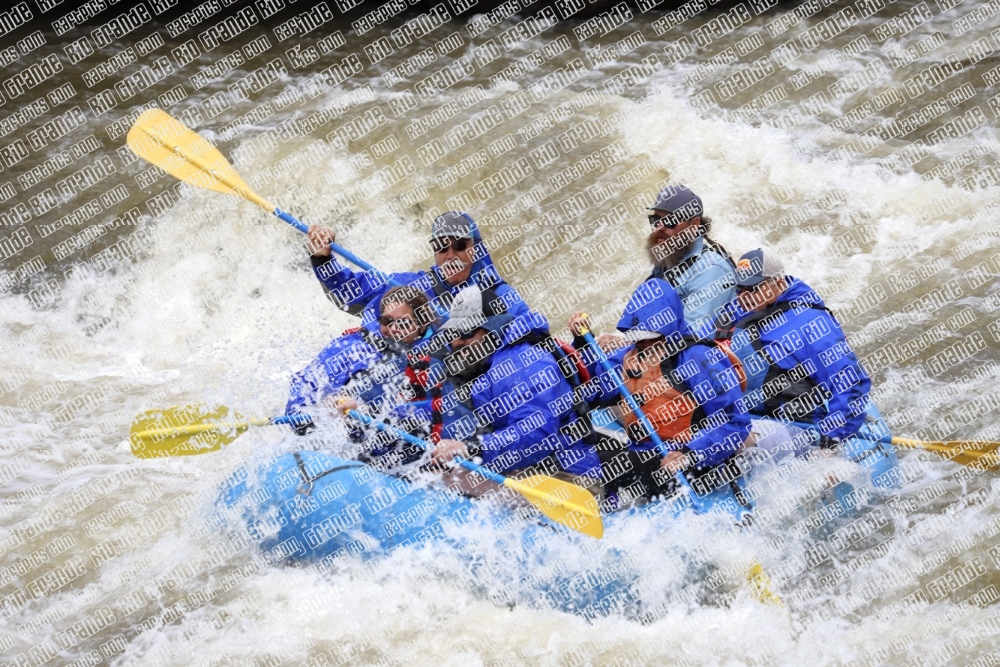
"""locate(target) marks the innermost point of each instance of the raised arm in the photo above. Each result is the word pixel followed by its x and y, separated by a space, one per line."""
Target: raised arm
pixel 329 371
pixel 351 290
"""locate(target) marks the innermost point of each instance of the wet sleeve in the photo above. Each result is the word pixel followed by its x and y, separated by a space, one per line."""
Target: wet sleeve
pixel 724 428
pixel 304 387
pixel 838 368
pixel 325 375
pixel 415 417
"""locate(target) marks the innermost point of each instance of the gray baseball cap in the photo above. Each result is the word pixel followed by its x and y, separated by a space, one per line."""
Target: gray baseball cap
pixel 466 312
pixel 453 225
pixel 757 266
pixel 680 201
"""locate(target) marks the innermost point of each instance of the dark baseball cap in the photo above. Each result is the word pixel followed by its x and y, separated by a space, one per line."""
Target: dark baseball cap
pixel 679 201
pixel 452 225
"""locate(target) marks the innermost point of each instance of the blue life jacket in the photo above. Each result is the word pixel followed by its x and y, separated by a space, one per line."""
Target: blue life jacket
pixel 521 408
pixel 377 373
pixel 798 364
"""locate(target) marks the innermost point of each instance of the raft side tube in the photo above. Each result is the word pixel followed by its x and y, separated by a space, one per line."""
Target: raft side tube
pixel 310 506
pixel 870 450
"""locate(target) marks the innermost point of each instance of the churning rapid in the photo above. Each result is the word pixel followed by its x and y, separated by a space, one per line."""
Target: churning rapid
pixel 873 179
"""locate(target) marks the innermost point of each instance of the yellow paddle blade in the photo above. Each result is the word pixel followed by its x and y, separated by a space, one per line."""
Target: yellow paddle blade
pixel 761 586
pixel 973 453
pixel 164 141
pixel 566 504
pixel 183 431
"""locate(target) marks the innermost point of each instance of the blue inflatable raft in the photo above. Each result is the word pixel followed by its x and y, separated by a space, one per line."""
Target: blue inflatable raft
pixel 307 506
pixel 872 449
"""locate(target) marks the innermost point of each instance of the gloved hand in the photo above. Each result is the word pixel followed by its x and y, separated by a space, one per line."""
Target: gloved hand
pixel 303 429
pixel 826 442
pixel 675 462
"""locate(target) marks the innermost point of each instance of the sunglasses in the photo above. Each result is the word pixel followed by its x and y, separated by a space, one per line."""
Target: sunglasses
pixel 465 336
pixel 402 322
pixel 741 289
pixel 669 221
pixel 441 245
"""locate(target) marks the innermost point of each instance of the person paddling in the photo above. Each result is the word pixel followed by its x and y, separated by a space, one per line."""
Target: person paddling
pixel 798 364
pixel 687 387
pixel 461 259
pixel 506 401
pixel 378 372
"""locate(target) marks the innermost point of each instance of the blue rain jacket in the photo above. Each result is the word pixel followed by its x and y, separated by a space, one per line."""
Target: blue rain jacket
pixel 705 286
pixel 361 291
pixel 798 350
pixel 704 369
pixel 521 406
pixel 354 364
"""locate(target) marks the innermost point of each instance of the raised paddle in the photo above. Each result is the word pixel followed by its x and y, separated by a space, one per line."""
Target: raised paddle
pixel 195 429
pixel 980 454
pixel 162 140
pixel 566 504
pixel 760 583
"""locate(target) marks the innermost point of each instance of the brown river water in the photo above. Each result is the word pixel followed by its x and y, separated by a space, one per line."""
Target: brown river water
pixel 857 140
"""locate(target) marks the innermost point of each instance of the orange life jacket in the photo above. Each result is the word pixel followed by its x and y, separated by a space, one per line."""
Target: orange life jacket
pixel 667 403
pixel 668 406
